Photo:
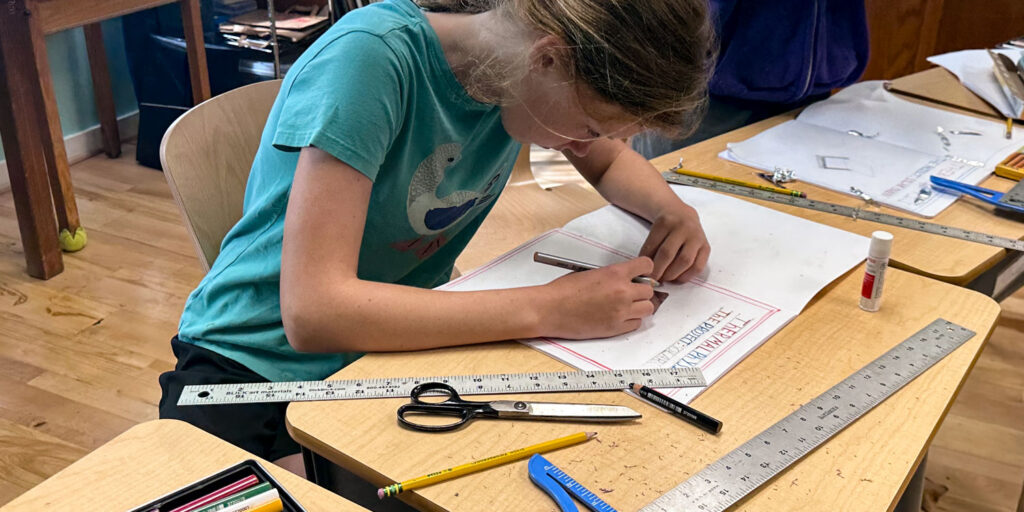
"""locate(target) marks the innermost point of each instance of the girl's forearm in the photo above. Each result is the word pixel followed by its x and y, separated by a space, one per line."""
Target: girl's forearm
pixel 364 316
pixel 632 183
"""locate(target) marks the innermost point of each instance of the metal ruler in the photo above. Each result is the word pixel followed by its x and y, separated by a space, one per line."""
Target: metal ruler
pixel 492 384
pixel 848 211
pixel 744 469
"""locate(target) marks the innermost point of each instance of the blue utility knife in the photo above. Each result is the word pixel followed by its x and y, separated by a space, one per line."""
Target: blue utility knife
pixel 1008 201
pixel 555 482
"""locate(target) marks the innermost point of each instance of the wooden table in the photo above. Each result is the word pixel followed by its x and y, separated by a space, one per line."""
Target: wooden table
pixel 869 464
pixel 149 461
pixel 29 122
pixel 939 257
pixel 864 467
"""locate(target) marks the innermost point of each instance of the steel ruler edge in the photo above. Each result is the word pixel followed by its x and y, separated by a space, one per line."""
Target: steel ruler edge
pixel 744 469
pixel 489 384
pixel 848 211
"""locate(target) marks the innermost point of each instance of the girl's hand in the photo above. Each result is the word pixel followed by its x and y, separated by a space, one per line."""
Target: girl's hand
pixel 677 245
pixel 599 303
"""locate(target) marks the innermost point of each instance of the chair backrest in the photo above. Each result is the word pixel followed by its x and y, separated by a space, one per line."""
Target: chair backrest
pixel 206 156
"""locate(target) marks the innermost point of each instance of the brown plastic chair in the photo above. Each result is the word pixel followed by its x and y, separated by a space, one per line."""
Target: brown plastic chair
pixel 207 154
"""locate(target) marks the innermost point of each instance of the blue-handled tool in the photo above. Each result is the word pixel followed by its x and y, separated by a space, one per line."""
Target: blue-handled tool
pixel 555 482
pixel 1009 201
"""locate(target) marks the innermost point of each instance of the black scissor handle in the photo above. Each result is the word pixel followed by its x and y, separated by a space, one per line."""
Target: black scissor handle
pixel 452 405
pixel 462 412
pixel 450 395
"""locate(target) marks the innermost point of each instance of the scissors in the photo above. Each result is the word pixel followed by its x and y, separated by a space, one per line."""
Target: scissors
pixel 465 410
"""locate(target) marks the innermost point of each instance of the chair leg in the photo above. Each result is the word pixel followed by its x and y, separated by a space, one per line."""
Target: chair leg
pixel 20 102
pixel 102 90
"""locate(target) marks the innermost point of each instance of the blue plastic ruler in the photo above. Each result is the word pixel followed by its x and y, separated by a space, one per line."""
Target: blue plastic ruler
pixel 549 477
pixel 743 470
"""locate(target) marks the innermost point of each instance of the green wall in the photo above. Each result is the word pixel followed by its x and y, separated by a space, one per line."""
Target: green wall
pixel 72 83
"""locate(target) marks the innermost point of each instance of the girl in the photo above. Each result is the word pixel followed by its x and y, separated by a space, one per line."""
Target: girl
pixel 389 142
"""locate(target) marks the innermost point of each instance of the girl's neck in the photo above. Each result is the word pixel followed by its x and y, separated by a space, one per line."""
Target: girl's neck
pixel 481 50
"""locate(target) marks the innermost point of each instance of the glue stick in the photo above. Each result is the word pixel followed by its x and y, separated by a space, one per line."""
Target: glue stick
pixel 874 273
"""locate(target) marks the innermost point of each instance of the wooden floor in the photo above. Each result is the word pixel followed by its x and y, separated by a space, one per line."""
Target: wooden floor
pixel 80 354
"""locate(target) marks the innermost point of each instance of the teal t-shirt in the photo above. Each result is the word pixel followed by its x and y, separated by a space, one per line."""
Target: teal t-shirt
pixel 376 92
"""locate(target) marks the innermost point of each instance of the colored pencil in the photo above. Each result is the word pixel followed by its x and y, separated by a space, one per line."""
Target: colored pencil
pixel 269 501
pixel 1009 127
pixel 482 464
pixel 237 498
pixel 731 181
pixel 219 494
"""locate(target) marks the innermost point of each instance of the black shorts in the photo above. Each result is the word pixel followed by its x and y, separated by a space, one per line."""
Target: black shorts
pixel 255 428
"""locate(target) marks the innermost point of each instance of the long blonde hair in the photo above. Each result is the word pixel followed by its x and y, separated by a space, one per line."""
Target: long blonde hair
pixel 651 57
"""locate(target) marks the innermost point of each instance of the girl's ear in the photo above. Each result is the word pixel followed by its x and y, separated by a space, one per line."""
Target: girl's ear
pixel 549 53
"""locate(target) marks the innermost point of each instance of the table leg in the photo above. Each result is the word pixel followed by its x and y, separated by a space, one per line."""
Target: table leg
pixel 912 496
pixel 344 483
pixel 20 118
pixel 196 49
pixel 102 90
pixel 1002 280
pixel 71 235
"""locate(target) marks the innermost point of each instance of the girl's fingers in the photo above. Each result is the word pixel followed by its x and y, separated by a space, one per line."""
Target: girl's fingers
pixel 683 262
pixel 654 240
pixel 667 253
pixel 698 265
pixel 641 309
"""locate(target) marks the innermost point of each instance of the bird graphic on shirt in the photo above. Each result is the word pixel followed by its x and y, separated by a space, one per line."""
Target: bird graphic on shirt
pixel 430 215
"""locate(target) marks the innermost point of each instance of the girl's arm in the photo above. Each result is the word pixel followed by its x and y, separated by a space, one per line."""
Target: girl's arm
pixel 676 243
pixel 326 308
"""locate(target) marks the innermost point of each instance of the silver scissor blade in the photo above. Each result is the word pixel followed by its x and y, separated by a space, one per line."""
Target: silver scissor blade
pixel 560 411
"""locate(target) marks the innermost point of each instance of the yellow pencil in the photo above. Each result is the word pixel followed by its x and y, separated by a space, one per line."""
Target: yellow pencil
pixel 482 464
pixel 722 179
pixel 1009 127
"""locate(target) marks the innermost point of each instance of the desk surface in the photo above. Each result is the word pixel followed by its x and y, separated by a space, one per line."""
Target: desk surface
pixel 149 461
pixel 864 467
pixel 939 257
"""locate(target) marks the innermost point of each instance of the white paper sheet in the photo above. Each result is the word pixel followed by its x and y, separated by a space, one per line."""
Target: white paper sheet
pixel 893 164
pixel 974 69
pixel 764 268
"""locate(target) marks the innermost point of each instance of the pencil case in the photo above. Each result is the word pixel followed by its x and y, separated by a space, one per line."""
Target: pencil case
pixel 213 483
pixel 1012 167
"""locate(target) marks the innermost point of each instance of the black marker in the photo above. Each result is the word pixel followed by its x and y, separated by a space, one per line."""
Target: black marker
pixel 683 411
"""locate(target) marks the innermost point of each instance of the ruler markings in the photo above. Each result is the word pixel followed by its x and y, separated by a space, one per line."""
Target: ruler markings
pixel 490 384
pixel 848 211
pixel 744 469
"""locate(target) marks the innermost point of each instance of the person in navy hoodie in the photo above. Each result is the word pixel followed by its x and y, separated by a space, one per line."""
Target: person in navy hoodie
pixel 774 57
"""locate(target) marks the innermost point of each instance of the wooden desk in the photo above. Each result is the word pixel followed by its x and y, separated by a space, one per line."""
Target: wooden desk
pixel 939 257
pixel 827 342
pixel 864 467
pixel 937 85
pixel 150 460
pixel 30 125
